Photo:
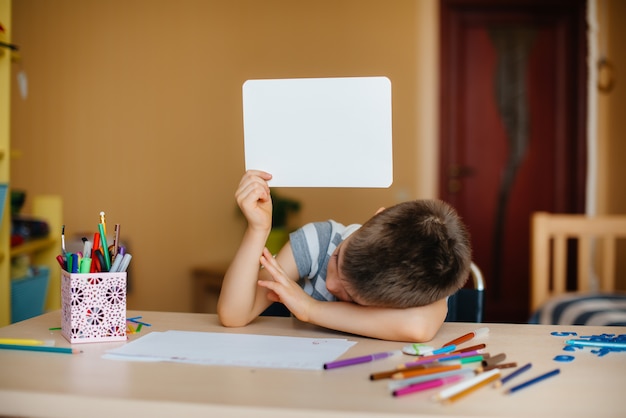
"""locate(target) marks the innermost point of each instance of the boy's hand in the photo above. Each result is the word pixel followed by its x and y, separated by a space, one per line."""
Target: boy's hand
pixel 283 289
pixel 254 199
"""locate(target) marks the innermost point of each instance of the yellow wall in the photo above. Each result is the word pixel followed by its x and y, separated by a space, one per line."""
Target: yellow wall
pixel 134 108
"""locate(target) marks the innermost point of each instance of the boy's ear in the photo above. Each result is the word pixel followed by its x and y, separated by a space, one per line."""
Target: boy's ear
pixel 379 210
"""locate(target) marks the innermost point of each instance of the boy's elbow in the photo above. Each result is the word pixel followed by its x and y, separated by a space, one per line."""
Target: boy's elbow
pixel 225 321
pixel 421 332
pixel 424 328
pixel 229 320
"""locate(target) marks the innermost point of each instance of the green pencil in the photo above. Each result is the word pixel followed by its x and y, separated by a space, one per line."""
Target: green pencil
pixel 47 349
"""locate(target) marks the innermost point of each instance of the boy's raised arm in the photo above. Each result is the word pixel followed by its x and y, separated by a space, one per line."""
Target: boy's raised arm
pixel 241 300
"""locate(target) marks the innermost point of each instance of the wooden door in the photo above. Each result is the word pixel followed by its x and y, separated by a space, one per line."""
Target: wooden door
pixel 513 111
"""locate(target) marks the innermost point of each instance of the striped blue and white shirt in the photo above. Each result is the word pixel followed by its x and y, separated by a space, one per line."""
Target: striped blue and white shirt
pixel 312 247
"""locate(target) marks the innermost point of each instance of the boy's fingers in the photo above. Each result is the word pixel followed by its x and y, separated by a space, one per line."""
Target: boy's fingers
pixel 269 266
pixel 258 173
pixel 272 266
pixel 261 190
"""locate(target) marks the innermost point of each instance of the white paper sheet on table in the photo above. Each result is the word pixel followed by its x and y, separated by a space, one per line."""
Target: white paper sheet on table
pixel 233 349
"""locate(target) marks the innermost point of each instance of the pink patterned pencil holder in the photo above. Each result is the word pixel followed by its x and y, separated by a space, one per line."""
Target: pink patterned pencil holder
pixel 93 307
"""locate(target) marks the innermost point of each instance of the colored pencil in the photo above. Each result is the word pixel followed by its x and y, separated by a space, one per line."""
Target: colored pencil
pixel 22 341
pixel 466 384
pixel 533 381
pixel 39 348
pixel 473 388
pixel 513 374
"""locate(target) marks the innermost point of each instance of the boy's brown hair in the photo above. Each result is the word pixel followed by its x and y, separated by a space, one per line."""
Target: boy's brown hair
pixel 411 254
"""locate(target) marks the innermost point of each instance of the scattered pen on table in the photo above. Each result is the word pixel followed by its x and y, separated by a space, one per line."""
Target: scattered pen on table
pixel 359 360
pixel 429 384
pixel 533 381
pixel 499 366
pixel 397 384
pixel 513 374
pixel 471 348
pixel 440 357
pixel 420 372
pixel 479 358
pixel 425 350
pixel 480 332
pixel 466 384
pixel 43 348
pixel 136 319
pixel 388 373
pixel 426 364
pixel 492 361
pixel 484 382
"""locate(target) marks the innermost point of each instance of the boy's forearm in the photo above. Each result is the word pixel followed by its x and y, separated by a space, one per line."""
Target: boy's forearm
pixel 239 288
pixel 409 325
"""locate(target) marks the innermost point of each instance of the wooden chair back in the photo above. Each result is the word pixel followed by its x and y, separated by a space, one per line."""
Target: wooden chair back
pixel 549 256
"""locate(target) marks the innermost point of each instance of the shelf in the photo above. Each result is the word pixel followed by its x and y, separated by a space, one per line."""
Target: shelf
pixel 31 247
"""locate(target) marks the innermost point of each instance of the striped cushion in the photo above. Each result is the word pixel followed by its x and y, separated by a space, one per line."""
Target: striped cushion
pixel 583 309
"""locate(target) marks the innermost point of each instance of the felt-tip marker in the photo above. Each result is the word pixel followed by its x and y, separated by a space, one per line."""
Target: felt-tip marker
pixel 359 360
pixel 463 338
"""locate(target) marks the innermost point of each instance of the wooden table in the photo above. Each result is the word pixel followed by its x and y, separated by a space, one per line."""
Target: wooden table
pixel 86 385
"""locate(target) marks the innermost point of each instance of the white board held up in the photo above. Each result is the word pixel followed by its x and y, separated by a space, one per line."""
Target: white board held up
pixel 320 132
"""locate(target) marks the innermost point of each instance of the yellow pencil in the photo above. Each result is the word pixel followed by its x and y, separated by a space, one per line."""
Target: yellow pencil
pixel 23 341
pixel 471 389
pixel 467 386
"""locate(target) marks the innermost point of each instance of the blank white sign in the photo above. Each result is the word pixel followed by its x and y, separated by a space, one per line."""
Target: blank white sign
pixel 319 132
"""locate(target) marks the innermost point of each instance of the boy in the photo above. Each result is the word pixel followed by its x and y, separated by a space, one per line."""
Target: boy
pixel 388 279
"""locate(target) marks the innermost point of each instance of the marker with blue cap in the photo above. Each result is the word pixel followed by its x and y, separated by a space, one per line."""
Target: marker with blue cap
pixel 418 349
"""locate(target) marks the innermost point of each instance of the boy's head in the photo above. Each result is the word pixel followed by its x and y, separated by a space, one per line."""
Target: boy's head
pixel 411 254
